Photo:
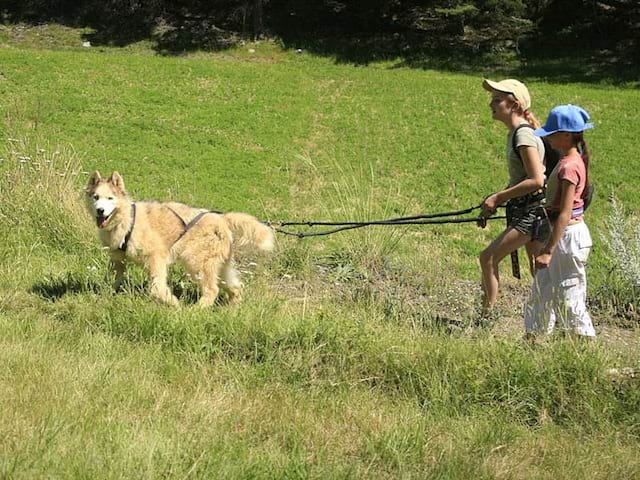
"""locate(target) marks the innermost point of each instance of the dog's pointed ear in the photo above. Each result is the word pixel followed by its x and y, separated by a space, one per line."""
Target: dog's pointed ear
pixel 94 179
pixel 116 180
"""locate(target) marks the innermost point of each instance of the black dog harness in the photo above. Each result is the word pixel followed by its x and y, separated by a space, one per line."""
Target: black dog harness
pixel 185 226
pixel 125 242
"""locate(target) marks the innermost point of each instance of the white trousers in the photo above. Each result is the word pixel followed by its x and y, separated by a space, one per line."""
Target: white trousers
pixel 559 293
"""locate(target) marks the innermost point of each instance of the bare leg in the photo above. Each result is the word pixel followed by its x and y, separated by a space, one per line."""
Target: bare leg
pixel 159 288
pixel 503 245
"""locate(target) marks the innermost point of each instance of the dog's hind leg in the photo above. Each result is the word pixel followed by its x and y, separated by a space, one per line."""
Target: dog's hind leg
pixel 159 288
pixel 231 283
pixel 208 281
pixel 208 278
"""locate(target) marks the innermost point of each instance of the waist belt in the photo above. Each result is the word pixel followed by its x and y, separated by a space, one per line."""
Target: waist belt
pixel 575 213
pixel 533 198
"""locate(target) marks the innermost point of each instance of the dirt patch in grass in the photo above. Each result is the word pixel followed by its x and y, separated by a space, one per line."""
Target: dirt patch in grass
pixel 404 296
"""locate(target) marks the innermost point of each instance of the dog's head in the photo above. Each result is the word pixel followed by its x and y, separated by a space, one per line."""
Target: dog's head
pixel 105 197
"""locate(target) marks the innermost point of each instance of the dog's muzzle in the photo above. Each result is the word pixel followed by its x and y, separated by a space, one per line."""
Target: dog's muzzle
pixel 101 218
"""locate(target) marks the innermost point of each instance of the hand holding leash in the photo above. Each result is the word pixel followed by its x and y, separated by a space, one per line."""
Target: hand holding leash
pixel 543 260
pixel 489 205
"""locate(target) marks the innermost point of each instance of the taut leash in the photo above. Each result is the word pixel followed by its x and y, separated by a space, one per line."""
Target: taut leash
pixel 425 219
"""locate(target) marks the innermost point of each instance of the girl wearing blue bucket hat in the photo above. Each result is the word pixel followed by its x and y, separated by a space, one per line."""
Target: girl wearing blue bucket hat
pixel 511 105
pixel 559 291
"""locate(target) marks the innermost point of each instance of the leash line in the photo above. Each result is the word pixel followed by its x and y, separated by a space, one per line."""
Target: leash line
pixel 425 219
pixel 380 222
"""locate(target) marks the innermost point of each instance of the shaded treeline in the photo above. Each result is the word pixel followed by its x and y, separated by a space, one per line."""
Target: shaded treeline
pixel 359 30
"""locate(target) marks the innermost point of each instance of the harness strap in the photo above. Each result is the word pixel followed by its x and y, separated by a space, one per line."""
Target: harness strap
pixel 184 224
pixel 191 224
pixel 125 241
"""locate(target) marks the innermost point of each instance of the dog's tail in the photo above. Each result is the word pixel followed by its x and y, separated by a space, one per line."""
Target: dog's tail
pixel 249 231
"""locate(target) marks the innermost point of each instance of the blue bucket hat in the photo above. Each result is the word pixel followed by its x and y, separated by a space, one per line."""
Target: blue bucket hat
pixel 565 118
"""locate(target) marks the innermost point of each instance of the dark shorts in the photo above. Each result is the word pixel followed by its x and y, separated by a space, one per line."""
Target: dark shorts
pixel 530 220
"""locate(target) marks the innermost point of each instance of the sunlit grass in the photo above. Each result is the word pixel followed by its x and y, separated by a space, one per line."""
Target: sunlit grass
pixel 337 363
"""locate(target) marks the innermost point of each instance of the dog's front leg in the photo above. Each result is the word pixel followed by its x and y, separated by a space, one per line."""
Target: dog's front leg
pixel 117 267
pixel 159 288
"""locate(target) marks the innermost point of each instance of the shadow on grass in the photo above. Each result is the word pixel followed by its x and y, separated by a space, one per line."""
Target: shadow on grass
pixel 558 64
pixel 168 39
pixel 558 60
pixel 53 289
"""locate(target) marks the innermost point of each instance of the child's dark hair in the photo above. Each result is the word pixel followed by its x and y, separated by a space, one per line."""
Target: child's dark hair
pixel 578 141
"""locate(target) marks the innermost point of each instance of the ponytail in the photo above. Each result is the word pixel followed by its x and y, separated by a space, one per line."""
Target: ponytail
pixel 531 119
pixel 527 114
pixel 578 140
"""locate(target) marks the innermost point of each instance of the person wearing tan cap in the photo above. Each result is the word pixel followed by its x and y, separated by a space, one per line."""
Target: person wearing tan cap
pixel 524 195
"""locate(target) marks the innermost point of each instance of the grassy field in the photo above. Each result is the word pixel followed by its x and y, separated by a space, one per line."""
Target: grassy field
pixel 342 361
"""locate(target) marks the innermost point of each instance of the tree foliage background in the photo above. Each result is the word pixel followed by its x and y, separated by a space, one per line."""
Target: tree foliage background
pixel 360 28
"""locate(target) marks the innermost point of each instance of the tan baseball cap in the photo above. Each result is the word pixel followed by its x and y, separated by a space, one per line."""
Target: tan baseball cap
pixel 514 87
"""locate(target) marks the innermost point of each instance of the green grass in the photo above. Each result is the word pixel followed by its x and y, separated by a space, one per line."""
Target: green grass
pixel 337 363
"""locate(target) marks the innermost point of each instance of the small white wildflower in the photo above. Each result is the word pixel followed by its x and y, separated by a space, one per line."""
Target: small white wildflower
pixel 252 50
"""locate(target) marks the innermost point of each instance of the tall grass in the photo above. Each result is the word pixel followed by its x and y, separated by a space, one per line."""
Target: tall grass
pixel 562 380
pixel 354 195
pixel 40 206
pixel 622 241
pixel 40 189
pixel 274 389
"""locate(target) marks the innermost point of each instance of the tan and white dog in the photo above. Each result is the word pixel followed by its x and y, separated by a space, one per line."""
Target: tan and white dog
pixel 155 234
